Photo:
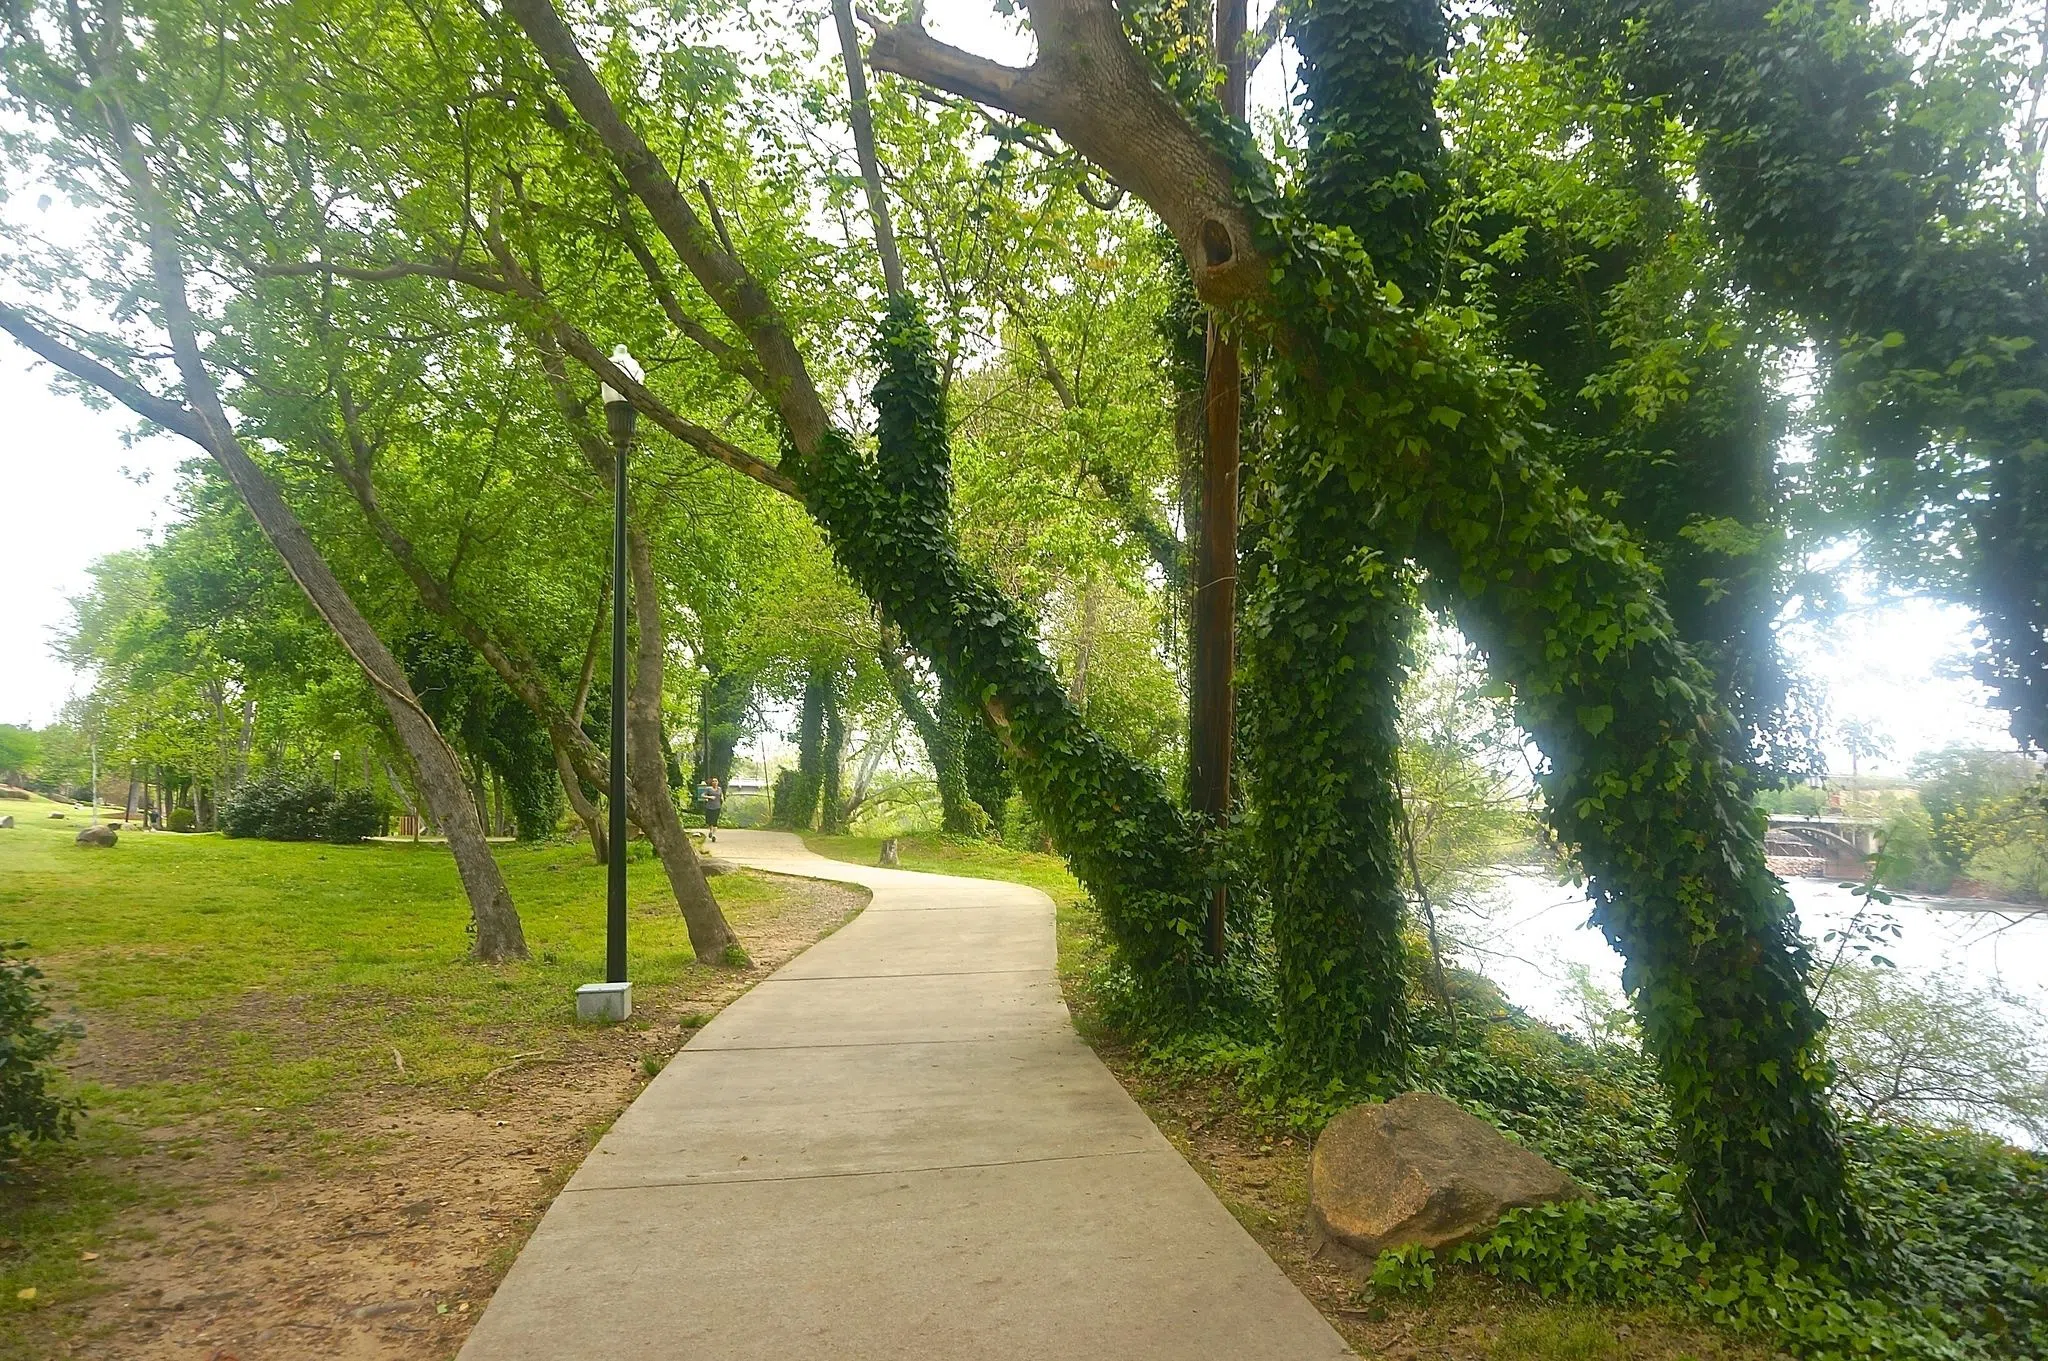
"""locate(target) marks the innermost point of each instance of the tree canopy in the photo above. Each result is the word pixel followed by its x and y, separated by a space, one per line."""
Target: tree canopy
pixel 1526 297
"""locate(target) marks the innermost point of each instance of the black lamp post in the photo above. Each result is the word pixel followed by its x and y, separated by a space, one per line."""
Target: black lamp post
pixel 620 416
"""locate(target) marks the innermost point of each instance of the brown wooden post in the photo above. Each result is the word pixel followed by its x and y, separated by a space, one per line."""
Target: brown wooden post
pixel 1212 699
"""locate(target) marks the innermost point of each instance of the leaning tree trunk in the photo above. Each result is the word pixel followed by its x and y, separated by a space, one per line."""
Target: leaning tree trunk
pixel 586 812
pixel 831 806
pixel 711 936
pixel 206 423
pixel 498 932
pixel 1136 852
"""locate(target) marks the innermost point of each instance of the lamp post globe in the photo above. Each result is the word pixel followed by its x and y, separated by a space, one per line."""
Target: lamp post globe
pixel 620 415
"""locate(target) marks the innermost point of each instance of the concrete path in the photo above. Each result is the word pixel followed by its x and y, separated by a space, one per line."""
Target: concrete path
pixel 895 1147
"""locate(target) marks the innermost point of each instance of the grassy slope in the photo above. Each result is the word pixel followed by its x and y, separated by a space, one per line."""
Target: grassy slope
pixel 214 960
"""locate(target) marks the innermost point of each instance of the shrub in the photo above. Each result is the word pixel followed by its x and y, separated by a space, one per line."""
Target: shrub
pixel 183 820
pixel 354 814
pixel 29 1111
pixel 274 809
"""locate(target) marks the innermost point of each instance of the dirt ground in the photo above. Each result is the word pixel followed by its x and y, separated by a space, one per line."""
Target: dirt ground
pixel 1263 1181
pixel 282 1250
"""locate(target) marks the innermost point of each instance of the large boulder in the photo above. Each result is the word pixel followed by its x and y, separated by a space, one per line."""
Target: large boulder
pixel 1420 1170
pixel 98 836
pixel 7 821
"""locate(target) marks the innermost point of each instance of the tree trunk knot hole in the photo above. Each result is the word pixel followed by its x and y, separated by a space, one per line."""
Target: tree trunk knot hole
pixel 1217 247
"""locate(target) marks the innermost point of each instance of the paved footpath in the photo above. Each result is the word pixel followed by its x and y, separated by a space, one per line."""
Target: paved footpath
pixel 894 1147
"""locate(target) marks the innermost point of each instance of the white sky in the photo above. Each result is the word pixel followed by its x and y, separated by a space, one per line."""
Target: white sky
pixel 66 498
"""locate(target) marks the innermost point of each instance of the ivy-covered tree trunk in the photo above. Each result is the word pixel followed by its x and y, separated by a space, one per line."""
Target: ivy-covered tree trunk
pixel 985 773
pixel 1326 639
pixel 1432 439
pixel 889 522
pixel 831 804
pixel 799 810
pixel 941 734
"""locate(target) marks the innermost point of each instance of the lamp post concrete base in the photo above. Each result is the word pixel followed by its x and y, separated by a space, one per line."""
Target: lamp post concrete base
pixel 608 1002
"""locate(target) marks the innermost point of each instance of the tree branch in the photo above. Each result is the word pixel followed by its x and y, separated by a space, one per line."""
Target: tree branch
pixel 1093 88
pixel 129 393
pixel 787 382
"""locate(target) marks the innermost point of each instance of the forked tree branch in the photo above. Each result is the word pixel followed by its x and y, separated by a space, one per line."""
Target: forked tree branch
pixel 786 381
pixel 1091 86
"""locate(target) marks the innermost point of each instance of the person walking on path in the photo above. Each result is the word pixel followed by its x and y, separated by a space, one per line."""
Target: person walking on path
pixel 713 799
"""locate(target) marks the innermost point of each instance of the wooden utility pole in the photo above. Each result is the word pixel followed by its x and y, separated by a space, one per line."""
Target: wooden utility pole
pixel 1212 699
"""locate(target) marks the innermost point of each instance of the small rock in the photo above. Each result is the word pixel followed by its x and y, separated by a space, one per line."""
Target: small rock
pixel 98 836
pixel 1419 1170
pixel 380 1310
pixel 889 852
pixel 715 865
pixel 7 821
pixel 57 815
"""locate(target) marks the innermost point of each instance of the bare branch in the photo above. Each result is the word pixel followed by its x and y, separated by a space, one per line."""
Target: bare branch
pixel 129 393
pixel 1094 89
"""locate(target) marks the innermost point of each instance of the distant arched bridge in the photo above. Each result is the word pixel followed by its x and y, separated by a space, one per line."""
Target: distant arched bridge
pixel 1820 846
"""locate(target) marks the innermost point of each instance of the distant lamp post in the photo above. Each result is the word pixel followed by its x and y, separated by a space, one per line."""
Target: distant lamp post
pixel 335 782
pixel 612 1000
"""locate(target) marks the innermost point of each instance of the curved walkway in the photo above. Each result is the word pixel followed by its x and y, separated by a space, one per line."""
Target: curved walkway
pixel 894 1147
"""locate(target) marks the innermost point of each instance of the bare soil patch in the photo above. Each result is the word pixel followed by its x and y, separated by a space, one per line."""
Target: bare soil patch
pixel 378 1226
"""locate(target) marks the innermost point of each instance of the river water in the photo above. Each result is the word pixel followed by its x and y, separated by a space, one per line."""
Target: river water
pixel 1527 933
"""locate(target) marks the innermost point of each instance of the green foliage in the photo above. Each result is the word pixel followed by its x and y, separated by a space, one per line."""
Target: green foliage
pixel 183 820
pixel 1879 225
pixel 1936 1051
pixel 19 748
pixel 1907 855
pixel 478 712
pixel 1957 785
pixel 1575 242
pixel 31 1111
pixel 1959 1222
pixel 1137 854
pixel 278 809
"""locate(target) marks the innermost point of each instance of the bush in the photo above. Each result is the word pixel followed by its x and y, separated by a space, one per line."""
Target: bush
pixel 184 820
pixel 354 814
pixel 29 1111
pixel 274 809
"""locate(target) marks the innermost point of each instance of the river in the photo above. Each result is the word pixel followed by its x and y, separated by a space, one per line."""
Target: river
pixel 1526 932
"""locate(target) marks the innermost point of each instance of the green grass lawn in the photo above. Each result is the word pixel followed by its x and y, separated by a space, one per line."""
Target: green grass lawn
pixel 253 985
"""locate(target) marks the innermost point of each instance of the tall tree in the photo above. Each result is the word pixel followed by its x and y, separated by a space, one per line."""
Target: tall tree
pixel 88 99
